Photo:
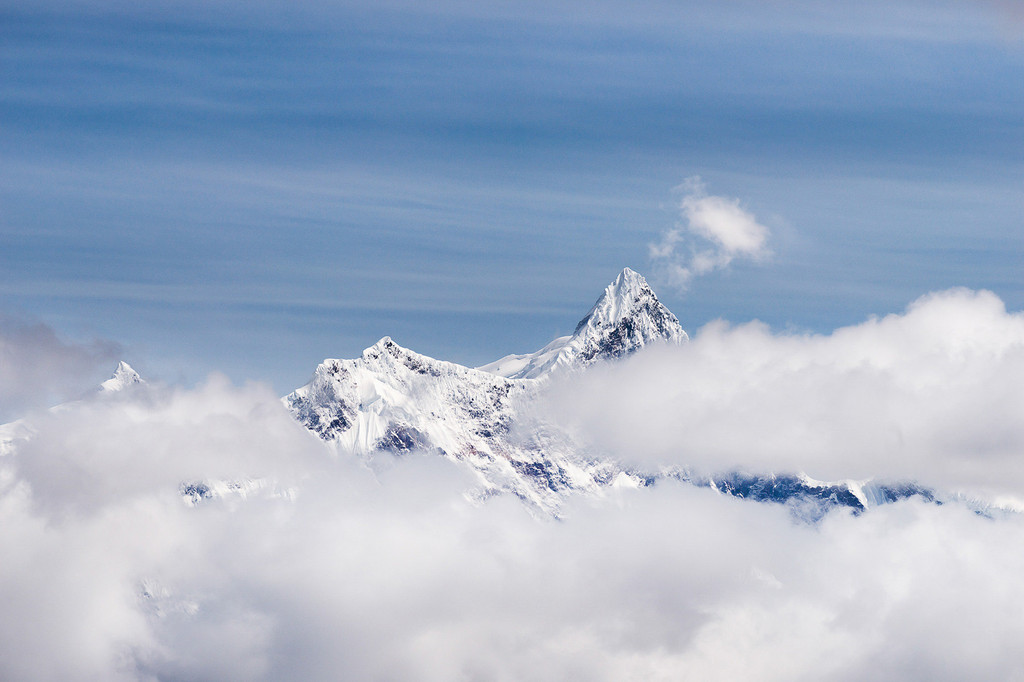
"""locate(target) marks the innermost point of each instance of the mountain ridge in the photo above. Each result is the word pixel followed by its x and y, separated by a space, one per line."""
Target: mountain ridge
pixel 394 400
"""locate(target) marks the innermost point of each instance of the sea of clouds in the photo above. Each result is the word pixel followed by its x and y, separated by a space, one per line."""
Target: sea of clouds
pixel 318 567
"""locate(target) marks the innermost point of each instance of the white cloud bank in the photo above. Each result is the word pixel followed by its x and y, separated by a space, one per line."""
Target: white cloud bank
pixel 717 231
pixel 328 571
pixel 935 394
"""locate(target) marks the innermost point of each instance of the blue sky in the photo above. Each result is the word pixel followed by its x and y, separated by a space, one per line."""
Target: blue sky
pixel 254 187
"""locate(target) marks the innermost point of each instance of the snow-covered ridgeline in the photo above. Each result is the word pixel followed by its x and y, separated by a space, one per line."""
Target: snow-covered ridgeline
pixel 392 399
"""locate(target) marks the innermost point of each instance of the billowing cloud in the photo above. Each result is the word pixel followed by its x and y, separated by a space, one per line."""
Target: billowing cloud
pixel 716 231
pixel 933 394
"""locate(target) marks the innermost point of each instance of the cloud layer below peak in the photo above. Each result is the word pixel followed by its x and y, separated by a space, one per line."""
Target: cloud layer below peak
pixel 932 394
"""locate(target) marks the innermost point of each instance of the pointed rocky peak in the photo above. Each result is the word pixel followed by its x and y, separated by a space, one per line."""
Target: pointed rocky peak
pixel 628 295
pixel 124 377
pixel 627 317
pixel 618 297
pixel 381 346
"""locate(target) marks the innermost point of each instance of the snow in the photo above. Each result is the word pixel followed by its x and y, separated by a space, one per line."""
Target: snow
pixel 16 432
pixel 528 365
pixel 868 495
pixel 124 377
pixel 625 318
pixel 13 433
pixel 393 399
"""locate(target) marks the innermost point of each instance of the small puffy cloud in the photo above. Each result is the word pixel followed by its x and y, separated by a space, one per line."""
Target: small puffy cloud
pixel 717 230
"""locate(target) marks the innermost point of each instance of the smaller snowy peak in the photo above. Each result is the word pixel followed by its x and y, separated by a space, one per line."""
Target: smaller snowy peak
pixel 625 318
pixel 385 345
pixel 386 349
pixel 124 377
pixel 22 430
pixel 386 356
pixel 357 401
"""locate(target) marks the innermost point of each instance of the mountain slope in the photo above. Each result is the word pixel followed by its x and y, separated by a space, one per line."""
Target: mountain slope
pixel 394 400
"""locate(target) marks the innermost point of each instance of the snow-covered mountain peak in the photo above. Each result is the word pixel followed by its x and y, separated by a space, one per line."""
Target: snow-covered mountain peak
pixel 381 346
pixel 618 297
pixel 630 301
pixel 124 377
pixel 625 318
pixel 386 349
pixel 388 357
